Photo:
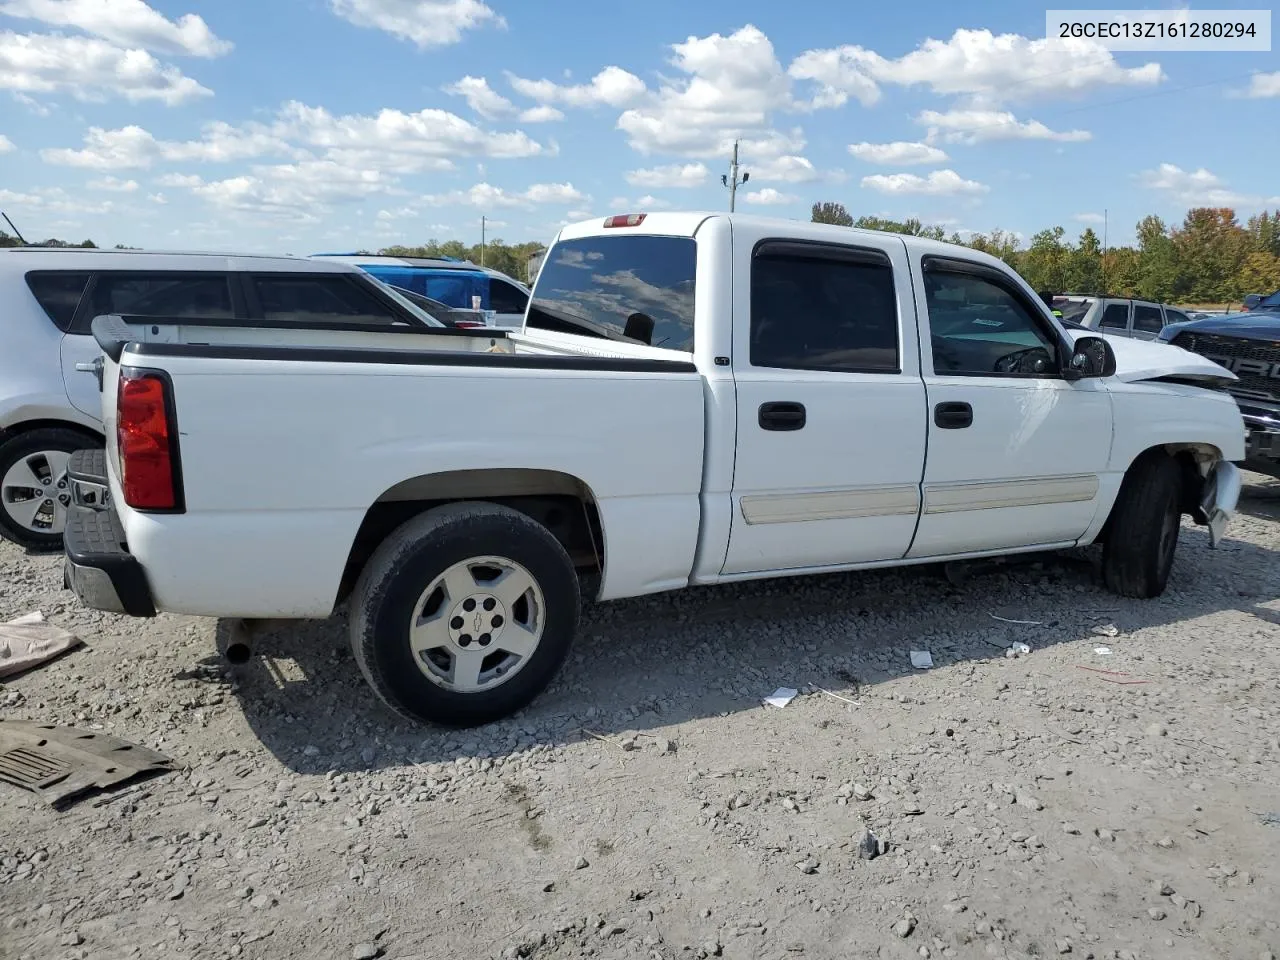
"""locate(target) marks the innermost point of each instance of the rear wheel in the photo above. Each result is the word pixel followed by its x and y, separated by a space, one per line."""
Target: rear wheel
pixel 464 614
pixel 1137 557
pixel 34 490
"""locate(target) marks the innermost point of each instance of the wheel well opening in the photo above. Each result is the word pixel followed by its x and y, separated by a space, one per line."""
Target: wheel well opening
pixel 26 426
pixel 1192 460
pixel 560 502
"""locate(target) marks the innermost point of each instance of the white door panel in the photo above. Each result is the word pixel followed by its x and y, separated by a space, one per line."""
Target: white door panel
pixel 833 331
pixel 82 387
pixel 836 491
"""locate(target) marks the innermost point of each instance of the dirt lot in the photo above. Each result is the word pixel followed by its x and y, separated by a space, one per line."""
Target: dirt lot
pixel 1025 806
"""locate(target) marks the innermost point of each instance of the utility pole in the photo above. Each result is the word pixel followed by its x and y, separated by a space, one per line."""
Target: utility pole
pixel 1104 251
pixel 732 181
pixel 482 240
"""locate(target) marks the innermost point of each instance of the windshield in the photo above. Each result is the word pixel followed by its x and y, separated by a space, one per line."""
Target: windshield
pixel 637 289
pixel 1270 303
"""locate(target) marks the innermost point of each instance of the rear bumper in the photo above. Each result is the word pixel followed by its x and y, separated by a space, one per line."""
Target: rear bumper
pixel 99 568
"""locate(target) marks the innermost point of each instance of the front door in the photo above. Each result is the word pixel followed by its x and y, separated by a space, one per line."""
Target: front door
pixel 1016 452
pixel 830 404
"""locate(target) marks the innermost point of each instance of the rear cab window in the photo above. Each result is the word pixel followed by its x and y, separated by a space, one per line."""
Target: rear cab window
pixel 635 289
pixel 58 292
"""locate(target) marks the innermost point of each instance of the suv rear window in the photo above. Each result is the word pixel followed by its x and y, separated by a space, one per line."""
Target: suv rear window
pixel 632 288
pixel 58 294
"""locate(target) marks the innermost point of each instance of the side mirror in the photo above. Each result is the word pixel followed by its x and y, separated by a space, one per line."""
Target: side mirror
pixel 1091 357
pixel 1252 300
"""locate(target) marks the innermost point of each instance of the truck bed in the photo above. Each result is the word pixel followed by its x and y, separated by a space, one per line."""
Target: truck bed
pixel 316 427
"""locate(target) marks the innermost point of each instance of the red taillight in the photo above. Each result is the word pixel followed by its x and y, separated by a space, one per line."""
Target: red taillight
pixel 145 437
pixel 469 324
pixel 625 220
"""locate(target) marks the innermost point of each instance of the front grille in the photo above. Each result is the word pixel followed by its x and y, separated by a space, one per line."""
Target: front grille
pixel 1255 362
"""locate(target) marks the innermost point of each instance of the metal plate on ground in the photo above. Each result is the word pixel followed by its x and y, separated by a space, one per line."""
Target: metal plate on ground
pixel 61 764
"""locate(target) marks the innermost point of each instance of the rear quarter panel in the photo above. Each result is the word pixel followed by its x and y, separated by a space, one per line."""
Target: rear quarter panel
pixel 281 460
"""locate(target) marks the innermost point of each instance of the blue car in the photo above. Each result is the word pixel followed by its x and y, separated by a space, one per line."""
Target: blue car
pixel 455 283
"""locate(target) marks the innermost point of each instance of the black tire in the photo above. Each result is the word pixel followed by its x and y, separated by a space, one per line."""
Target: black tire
pixel 403 567
pixel 1137 557
pixel 25 445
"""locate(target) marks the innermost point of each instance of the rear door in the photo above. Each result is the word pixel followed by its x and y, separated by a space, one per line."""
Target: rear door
pixel 830 404
pixel 1016 452
pixel 155 293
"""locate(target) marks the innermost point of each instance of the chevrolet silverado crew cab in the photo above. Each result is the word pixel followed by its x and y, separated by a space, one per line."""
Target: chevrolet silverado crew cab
pixel 692 399
pixel 49 400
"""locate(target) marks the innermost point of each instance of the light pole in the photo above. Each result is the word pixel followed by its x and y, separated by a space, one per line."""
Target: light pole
pixel 732 180
pixel 482 241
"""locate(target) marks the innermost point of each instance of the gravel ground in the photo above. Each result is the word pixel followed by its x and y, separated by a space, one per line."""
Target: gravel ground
pixel 650 806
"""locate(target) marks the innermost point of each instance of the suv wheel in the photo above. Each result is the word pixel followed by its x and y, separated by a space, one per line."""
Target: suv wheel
pixel 34 490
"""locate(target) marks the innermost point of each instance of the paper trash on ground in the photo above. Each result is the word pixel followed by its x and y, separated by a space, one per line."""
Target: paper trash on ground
pixel 1102 651
pixel 921 659
pixel 29 641
pixel 781 697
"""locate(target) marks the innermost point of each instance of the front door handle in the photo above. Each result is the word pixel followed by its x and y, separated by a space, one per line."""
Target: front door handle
pixel 781 415
pixel 952 416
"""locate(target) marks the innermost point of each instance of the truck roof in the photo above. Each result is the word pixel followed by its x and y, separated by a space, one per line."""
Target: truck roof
pixel 686 224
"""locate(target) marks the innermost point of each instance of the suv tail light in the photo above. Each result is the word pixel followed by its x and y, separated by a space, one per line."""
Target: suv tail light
pixel 148 442
pixel 625 220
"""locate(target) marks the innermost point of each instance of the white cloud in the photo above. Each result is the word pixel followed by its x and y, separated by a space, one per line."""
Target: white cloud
pixel 612 87
pixel 400 213
pixel 1264 85
pixel 113 184
pixel 179 180
pixel 487 197
pixel 427 23
pixel 134 147
pixel 899 152
pixel 650 202
pixel 787 169
pixel 54 200
pixel 157 198
pixel 998 68
pixel 838 75
pixel 90 69
pixel 481 97
pixel 298 192
pixel 541 114
pixel 6 145
pixel 126 23
pixel 939 183
pixel 733 84
pixel 1089 218
pixel 976 126
pixel 429 133
pixel 1198 188
pixel 769 197
pixel 674 175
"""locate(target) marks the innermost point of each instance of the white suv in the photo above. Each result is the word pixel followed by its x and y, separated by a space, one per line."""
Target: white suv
pixel 49 399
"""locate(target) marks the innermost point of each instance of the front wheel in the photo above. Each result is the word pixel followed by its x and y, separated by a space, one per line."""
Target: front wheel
pixel 1137 557
pixel 464 614
pixel 34 490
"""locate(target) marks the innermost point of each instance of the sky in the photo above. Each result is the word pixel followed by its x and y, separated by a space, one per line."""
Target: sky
pixel 301 126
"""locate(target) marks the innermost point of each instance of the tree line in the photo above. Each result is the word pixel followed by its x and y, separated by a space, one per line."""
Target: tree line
pixel 1210 258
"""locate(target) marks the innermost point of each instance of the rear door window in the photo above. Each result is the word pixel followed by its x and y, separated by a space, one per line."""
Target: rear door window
pixel 1116 316
pixel 162 294
pixel 631 288
pixel 58 294
pixel 1147 318
pixel 319 299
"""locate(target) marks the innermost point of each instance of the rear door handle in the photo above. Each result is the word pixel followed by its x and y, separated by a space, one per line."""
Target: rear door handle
pixel 782 415
pixel 952 416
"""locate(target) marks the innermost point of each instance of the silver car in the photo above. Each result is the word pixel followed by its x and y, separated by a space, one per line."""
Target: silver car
pixel 1118 316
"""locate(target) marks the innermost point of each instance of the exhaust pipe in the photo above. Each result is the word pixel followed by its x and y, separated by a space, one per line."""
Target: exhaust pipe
pixel 234 643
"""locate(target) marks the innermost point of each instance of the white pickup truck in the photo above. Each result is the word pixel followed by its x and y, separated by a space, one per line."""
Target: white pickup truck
pixel 693 399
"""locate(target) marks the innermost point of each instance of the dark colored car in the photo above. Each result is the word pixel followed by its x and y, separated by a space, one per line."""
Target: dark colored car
pixel 1247 344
